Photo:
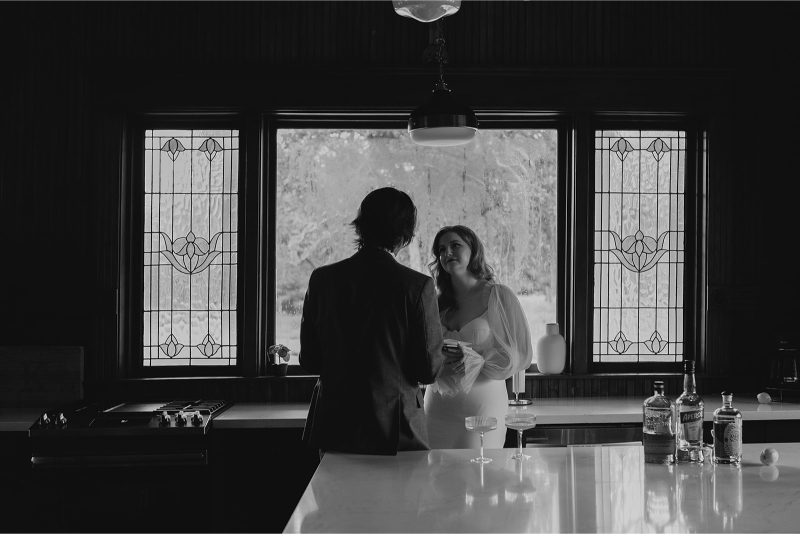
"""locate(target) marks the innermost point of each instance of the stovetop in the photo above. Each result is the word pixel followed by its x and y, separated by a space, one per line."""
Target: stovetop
pixel 129 418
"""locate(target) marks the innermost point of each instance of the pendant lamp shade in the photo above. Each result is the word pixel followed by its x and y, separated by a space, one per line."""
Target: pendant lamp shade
pixel 426 10
pixel 442 121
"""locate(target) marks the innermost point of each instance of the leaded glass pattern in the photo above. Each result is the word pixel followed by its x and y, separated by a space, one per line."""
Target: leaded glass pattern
pixel 639 246
pixel 191 212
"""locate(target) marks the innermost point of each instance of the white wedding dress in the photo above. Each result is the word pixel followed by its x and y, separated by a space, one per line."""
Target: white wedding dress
pixel 500 347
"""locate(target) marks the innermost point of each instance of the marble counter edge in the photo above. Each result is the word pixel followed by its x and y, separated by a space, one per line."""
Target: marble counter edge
pixel 550 413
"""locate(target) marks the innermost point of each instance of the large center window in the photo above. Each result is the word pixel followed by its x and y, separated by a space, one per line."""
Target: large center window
pixel 503 185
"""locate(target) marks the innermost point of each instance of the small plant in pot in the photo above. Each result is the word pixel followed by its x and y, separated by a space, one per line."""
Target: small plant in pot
pixel 278 360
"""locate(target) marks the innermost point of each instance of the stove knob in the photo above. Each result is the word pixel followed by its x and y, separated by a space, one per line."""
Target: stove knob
pixel 61 421
pixel 44 420
pixel 197 419
pixel 164 419
pixel 180 418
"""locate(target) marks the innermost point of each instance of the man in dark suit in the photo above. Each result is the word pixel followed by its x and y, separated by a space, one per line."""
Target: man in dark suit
pixel 371 329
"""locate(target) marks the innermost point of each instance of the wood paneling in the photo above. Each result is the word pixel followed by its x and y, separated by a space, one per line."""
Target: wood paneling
pixel 72 69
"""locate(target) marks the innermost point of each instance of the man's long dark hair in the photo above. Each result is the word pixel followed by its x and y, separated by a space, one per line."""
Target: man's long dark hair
pixel 386 219
pixel 477 264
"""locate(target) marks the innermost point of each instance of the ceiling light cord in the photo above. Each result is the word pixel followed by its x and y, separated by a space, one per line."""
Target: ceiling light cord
pixel 440 55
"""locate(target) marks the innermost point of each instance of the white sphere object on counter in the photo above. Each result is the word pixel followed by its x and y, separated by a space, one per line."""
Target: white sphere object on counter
pixel 764 398
pixel 769 456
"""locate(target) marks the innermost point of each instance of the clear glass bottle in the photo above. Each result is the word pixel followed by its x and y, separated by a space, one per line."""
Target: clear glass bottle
pixel 727 432
pixel 690 418
pixel 659 427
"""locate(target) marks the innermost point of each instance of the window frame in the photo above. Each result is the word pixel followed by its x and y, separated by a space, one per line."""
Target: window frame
pixel 694 250
pixel 131 284
pixel 256 313
pixel 487 121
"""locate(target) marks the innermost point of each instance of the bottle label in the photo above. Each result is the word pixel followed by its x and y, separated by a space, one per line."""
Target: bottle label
pixel 727 440
pixel 658 443
pixel 692 424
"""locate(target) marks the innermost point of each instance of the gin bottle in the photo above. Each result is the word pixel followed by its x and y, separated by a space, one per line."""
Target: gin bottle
pixel 727 432
pixel 690 422
pixel 658 431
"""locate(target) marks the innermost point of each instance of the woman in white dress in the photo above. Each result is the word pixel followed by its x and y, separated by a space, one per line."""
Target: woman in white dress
pixel 487 320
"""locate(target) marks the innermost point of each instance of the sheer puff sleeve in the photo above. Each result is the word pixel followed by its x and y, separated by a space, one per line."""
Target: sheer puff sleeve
pixel 513 350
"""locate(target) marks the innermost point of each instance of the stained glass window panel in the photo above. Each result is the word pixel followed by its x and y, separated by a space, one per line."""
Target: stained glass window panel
pixel 191 212
pixel 639 246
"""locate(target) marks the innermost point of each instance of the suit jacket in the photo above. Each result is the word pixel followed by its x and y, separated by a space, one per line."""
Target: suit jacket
pixel 371 329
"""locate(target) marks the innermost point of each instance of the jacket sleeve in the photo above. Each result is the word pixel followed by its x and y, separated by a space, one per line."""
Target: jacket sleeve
pixel 426 336
pixel 310 346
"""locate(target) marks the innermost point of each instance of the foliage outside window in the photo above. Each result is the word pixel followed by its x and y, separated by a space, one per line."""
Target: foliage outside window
pixel 503 185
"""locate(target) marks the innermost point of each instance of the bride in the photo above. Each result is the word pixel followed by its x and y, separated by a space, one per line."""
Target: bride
pixel 494 342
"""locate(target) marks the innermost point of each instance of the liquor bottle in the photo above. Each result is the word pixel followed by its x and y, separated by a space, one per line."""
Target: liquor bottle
pixel 690 423
pixel 727 432
pixel 658 431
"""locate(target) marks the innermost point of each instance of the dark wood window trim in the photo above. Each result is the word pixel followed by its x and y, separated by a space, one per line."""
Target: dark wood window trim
pixel 694 256
pixel 257 279
pixel 560 122
pixel 131 209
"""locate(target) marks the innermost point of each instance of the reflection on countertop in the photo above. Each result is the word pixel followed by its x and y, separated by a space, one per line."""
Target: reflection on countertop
pixel 561 489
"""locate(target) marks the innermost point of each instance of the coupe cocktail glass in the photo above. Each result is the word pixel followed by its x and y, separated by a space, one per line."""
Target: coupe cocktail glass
pixel 480 424
pixel 520 422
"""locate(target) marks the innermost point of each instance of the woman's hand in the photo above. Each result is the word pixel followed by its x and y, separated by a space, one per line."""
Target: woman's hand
pixel 454 357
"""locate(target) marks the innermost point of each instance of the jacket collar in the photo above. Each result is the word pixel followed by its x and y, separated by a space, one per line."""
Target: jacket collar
pixel 368 251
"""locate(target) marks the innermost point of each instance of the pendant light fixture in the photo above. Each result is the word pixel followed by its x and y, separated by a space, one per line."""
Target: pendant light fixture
pixel 442 121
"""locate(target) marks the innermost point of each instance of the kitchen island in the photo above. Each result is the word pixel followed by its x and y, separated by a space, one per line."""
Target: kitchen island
pixel 560 489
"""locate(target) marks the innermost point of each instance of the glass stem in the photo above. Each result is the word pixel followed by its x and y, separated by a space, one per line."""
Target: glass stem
pixel 481 444
pixel 519 442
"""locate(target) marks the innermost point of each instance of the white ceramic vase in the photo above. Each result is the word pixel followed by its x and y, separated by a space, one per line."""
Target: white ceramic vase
pixel 551 351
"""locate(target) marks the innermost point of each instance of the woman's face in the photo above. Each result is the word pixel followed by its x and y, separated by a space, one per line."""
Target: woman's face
pixel 454 253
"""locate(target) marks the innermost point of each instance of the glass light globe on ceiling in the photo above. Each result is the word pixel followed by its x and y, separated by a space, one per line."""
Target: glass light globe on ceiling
pixel 426 10
pixel 442 121
pixel 443 136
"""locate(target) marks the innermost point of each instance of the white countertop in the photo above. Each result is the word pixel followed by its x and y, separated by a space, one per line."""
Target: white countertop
pixel 629 410
pixel 560 489
pixel 263 415
pixel 586 410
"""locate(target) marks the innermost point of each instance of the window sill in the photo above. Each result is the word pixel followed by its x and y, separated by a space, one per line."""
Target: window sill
pixel 570 376
pixel 299 388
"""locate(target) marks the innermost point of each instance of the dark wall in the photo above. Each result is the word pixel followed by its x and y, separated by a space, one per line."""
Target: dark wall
pixel 72 70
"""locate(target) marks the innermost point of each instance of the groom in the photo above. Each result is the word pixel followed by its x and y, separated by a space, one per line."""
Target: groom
pixel 370 328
